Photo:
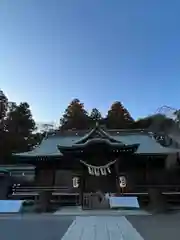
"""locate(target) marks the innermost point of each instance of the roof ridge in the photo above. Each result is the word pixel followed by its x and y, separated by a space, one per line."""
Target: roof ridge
pixel 85 133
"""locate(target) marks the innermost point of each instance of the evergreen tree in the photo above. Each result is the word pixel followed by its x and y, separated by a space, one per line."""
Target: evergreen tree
pixel 3 109
pixel 118 117
pixel 75 116
pixel 3 112
pixel 155 123
pixel 95 116
pixel 19 127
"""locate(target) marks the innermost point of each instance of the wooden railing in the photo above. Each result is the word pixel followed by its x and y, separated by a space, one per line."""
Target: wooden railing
pixel 36 190
pixel 164 188
pixel 63 195
pixel 67 196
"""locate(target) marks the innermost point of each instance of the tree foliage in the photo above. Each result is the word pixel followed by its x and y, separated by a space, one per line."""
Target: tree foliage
pixel 19 120
pixel 20 126
pixel 143 123
pixel 3 111
pixel 17 135
pixel 75 116
pixel 95 116
pixel 3 105
pixel 118 117
pixel 156 123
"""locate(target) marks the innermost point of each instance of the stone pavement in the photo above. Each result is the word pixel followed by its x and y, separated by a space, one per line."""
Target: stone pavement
pixel 98 227
pixel 33 227
pixel 157 227
pixel 77 211
pixel 55 227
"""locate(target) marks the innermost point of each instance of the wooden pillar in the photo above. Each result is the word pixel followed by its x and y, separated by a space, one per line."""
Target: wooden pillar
pixel 36 178
pixel 82 187
pixel 157 202
pixel 116 167
pixel 54 175
pixel 5 183
pixel 44 178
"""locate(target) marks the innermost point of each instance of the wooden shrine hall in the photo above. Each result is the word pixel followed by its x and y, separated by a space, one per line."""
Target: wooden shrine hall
pixel 120 162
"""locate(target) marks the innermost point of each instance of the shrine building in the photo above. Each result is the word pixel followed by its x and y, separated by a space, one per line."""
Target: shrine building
pixel 121 162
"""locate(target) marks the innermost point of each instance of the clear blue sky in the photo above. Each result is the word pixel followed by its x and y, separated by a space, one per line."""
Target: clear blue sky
pixel 52 51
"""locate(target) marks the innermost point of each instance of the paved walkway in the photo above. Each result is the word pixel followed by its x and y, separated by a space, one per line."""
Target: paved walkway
pixel 106 228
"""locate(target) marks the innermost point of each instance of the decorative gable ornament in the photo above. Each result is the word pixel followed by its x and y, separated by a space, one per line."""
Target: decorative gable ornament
pixel 99 170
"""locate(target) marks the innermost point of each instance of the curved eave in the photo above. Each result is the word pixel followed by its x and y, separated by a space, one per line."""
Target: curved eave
pixel 81 146
pixel 99 141
pixel 38 159
pixel 25 157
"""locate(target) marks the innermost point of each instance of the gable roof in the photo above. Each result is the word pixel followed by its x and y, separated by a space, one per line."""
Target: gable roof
pixel 147 144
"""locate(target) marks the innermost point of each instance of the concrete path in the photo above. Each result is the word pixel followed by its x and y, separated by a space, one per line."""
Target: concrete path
pixel 97 228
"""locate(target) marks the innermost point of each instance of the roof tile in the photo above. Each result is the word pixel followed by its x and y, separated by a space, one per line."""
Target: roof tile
pixel 148 145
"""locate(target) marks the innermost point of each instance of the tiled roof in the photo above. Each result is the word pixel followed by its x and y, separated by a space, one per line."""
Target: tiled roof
pixel 4 170
pixel 48 146
pixel 147 144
